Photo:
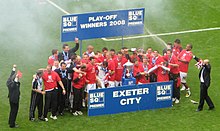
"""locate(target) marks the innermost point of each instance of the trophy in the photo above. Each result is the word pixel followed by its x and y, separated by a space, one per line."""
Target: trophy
pixel 128 78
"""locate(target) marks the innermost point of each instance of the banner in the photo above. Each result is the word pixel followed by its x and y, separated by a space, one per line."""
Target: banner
pixel 130 98
pixel 102 24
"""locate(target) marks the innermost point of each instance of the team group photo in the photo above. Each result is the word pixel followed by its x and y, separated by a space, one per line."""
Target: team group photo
pixel 109 65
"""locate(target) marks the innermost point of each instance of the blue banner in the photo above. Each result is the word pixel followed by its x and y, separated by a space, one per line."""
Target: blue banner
pixel 102 24
pixel 130 98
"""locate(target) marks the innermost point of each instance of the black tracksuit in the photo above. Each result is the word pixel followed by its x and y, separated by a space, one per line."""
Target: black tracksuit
pixel 36 98
pixel 62 100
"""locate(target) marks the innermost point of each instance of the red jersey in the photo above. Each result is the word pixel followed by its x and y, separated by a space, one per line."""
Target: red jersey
pixel 51 60
pixel 81 83
pixel 135 57
pixel 172 60
pixel 186 56
pixel 157 60
pixel 162 75
pixel 176 50
pixel 139 69
pixel 85 61
pixel 50 80
pixel 111 66
pixel 149 56
pixel 103 58
pixel 119 68
pixel 146 68
pixel 114 57
pixel 98 60
pixel 91 73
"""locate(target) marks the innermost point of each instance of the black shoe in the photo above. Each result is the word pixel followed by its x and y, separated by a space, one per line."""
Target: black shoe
pixel 198 110
pixel 32 119
pixel 211 108
pixel 61 114
pixel 41 118
pixel 15 126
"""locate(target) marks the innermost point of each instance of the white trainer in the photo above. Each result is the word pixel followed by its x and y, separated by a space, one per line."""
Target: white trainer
pixel 183 88
pixel 177 101
pixel 79 112
pixel 53 117
pixel 75 113
pixel 45 119
pixel 173 99
pixel 84 103
pixel 188 93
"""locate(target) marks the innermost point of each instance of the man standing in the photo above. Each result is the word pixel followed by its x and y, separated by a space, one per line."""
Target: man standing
pixel 149 53
pixel 66 54
pixel 53 57
pixel 169 47
pixel 139 73
pixel 204 76
pixel 111 70
pixel 51 78
pixel 156 59
pixel 36 96
pixel 62 98
pixel 13 85
pixel 184 58
pixel 177 47
pixel 90 76
pixel 79 81
pixel 173 74
pixel 119 62
pixel 89 51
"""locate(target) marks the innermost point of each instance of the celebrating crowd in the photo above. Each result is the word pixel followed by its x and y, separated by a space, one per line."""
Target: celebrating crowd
pixel 68 78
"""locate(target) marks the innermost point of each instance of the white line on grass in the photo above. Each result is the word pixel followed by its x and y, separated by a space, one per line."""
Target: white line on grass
pixel 58 7
pixel 156 37
pixel 163 34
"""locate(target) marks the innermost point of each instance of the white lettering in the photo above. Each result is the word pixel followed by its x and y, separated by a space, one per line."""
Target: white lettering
pixel 93 25
pixel 110 17
pixel 138 99
pixel 136 12
pixel 133 92
pixel 164 98
pixel 162 90
pixel 97 106
pixel 135 23
pixel 123 102
pixel 130 101
pixel 94 19
pixel 122 93
pixel 70 30
pixel 145 90
pixel 115 94
pixel 139 91
pixel 128 92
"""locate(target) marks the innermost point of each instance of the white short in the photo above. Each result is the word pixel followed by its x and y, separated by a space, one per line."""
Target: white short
pixel 90 87
pixel 118 83
pixel 139 83
pixel 111 84
pixel 183 77
pixel 101 83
